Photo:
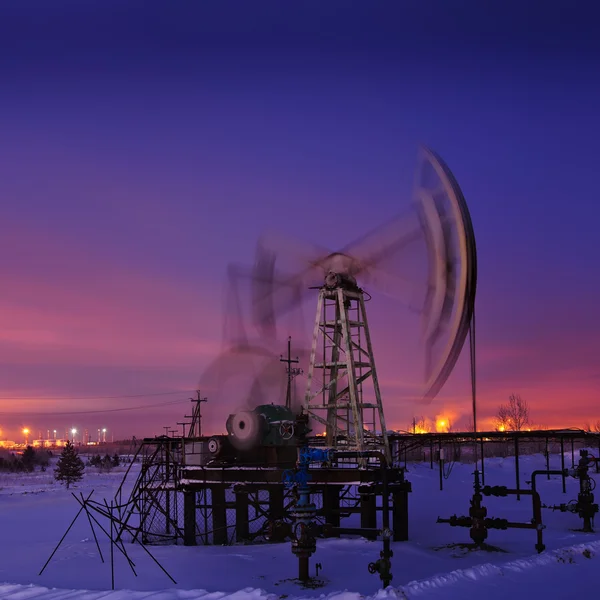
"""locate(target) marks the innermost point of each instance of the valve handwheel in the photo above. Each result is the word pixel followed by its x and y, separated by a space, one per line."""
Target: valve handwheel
pixel 286 431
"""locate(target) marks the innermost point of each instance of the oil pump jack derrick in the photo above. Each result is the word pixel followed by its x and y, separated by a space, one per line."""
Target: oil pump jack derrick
pixel 342 330
pixel 342 399
pixel 438 225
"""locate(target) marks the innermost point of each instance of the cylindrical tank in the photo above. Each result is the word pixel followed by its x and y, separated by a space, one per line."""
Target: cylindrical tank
pixel 261 426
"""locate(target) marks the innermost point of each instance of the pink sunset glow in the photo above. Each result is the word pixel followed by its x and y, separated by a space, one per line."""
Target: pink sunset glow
pixel 136 167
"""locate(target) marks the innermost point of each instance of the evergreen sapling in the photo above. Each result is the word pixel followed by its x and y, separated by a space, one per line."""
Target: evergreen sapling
pixel 69 468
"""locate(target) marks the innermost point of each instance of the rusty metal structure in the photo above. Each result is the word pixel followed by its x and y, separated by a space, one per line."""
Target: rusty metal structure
pixel 341 351
pixel 285 471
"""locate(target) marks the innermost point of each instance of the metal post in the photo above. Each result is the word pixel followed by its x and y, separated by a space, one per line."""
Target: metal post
pixel 400 515
pixel 276 501
pixel 189 518
pixel 291 372
pixel 368 514
pixel 219 515
pixel 482 463
pixel 242 528
pixel 547 458
pixel 572 453
pixel 112 543
pixel 517 466
pixel 441 464
pixel 562 464
pixel 431 454
pixel 331 504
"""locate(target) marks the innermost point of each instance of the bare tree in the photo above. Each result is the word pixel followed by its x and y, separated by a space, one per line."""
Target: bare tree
pixel 513 416
pixel 597 426
pixel 420 425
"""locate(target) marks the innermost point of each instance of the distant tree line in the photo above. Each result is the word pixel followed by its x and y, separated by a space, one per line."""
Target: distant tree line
pixel 27 462
pixel 106 462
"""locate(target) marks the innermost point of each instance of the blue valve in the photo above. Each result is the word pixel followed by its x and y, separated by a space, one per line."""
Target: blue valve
pixel 288 478
pixel 308 455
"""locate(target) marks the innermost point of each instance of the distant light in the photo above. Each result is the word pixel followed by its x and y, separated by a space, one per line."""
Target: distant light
pixel 501 428
pixel 442 425
pixel 25 431
pixel 104 430
pixel 73 431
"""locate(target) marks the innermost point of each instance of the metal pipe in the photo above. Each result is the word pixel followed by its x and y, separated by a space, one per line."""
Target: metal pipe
pixel 441 465
pixel 562 464
pixel 517 466
pixel 536 522
pixel 547 472
pixel 537 502
pixel 303 566
pixel 386 533
pixel 482 463
pixel 335 531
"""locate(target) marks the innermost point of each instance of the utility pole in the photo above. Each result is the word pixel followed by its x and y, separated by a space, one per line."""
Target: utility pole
pixel 196 415
pixel 183 428
pixel 291 373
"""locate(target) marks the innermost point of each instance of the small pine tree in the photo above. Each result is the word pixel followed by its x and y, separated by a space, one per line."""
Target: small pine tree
pixel 69 468
pixel 116 461
pixel 95 461
pixel 28 459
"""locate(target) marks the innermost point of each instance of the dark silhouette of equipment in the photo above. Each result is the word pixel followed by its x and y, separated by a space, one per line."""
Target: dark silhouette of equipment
pixel 261 436
pixel 343 393
pixel 584 506
pixel 480 523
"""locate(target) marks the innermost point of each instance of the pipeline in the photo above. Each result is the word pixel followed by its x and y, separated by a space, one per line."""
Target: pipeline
pixel 584 506
pixel 303 540
pixel 382 565
pixel 536 521
pixel 480 523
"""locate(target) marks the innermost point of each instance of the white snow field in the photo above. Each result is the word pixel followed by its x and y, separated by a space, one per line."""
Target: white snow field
pixel 35 512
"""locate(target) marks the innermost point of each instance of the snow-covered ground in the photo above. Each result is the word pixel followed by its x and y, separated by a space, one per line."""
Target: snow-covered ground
pixel 35 512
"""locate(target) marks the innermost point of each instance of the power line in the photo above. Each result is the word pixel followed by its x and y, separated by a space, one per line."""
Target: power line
pixel 96 397
pixel 89 412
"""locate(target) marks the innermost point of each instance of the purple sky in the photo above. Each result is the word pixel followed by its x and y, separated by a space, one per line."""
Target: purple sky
pixel 144 148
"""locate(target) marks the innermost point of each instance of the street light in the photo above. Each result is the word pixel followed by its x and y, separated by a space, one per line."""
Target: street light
pixel 73 432
pixel 104 435
pixel 26 433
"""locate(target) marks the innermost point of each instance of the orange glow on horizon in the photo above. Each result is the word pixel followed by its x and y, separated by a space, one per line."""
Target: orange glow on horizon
pixel 442 425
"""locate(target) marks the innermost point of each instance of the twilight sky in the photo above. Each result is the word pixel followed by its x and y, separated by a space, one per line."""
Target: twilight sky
pixel 145 146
